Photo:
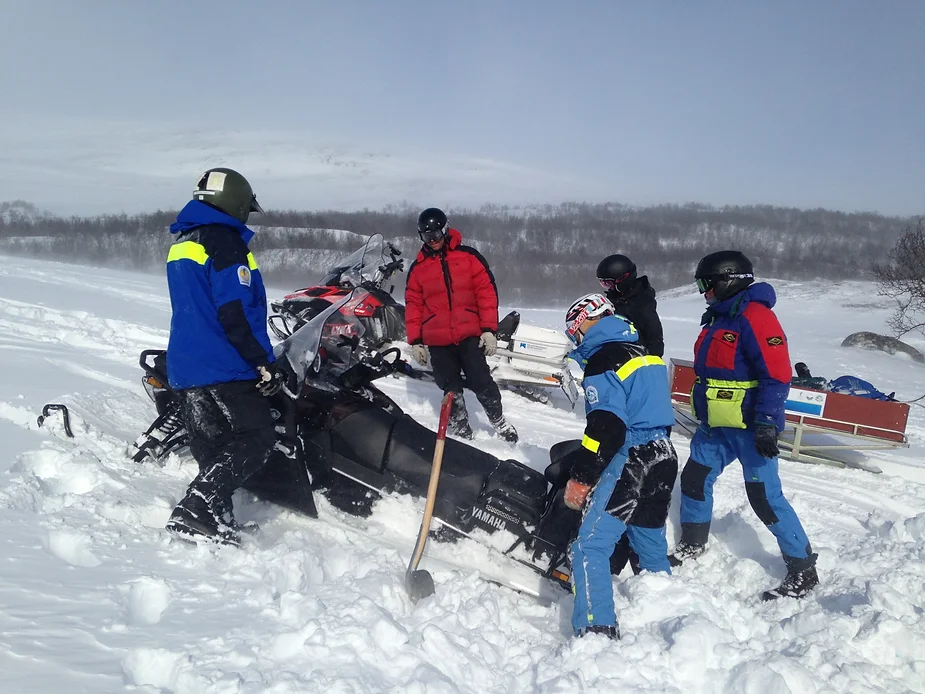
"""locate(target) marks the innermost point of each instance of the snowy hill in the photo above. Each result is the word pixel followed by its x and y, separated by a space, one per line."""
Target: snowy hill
pixel 95 598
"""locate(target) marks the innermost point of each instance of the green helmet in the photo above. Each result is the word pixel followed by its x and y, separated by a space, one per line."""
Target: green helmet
pixel 228 191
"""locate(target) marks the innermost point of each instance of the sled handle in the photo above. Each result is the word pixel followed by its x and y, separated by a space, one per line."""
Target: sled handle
pixel 419 583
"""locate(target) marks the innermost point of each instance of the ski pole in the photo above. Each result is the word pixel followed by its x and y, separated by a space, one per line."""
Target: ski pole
pixel 418 582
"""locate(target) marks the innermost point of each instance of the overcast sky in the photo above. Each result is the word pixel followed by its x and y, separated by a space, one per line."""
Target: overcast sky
pixel 119 105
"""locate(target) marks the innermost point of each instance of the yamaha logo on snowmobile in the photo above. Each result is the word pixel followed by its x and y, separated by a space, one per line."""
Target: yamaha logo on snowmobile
pixel 491 519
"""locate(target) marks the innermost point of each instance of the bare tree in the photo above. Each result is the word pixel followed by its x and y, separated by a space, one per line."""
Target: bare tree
pixel 902 278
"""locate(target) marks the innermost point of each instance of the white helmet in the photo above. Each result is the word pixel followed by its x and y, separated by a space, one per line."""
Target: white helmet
pixel 589 306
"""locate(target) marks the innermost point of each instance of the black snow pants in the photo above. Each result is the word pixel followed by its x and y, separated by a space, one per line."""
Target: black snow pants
pixel 451 361
pixel 231 434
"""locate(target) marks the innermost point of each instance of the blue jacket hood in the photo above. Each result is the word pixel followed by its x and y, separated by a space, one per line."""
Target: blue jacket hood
pixel 608 329
pixel 762 292
pixel 198 214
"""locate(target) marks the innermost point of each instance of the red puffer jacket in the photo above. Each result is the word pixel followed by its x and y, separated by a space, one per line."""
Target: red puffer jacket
pixel 450 295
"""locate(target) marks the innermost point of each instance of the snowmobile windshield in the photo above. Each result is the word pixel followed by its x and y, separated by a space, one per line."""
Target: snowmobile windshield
pixel 328 339
pixel 360 266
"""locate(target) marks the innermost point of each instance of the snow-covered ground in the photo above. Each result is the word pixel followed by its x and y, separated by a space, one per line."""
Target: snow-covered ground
pixel 95 598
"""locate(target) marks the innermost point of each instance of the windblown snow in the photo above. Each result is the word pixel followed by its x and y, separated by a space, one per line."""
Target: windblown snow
pixel 94 597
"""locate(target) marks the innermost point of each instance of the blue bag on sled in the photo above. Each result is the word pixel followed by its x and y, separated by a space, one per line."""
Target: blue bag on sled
pixel 852 385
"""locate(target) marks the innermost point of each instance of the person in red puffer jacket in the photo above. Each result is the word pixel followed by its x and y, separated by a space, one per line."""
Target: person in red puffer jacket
pixel 451 315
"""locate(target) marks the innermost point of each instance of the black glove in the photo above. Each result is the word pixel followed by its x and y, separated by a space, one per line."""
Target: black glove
pixel 272 376
pixel 766 441
pixel 584 466
pixel 351 341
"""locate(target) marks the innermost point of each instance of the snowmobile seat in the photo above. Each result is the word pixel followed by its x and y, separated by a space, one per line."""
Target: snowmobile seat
pixel 508 326
pixel 363 436
pixel 464 470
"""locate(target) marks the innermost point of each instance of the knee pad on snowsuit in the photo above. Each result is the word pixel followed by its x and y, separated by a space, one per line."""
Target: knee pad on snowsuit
pixel 758 498
pixel 655 496
pixel 694 479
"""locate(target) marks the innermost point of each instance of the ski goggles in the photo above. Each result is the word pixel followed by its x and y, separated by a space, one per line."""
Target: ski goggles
pixel 610 283
pixel 430 235
pixel 705 284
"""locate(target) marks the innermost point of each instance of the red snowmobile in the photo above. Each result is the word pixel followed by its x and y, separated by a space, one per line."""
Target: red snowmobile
pixel 529 360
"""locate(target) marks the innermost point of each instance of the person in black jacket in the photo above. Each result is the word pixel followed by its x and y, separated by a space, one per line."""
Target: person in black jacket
pixel 634 298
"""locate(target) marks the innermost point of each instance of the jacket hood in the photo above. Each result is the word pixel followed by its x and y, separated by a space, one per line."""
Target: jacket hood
pixel 198 214
pixel 453 241
pixel 762 292
pixel 608 329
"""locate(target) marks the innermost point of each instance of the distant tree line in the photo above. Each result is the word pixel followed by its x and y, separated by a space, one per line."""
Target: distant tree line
pixel 539 255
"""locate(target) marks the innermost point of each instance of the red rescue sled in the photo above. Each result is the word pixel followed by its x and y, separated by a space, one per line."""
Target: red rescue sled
pixel 822 427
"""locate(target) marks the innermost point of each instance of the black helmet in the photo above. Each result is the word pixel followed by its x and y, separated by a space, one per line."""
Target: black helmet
pixel 228 191
pixel 616 273
pixel 432 224
pixel 725 272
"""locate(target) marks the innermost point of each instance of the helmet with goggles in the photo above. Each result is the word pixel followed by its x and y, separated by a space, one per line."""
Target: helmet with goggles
pixel 726 273
pixel 589 306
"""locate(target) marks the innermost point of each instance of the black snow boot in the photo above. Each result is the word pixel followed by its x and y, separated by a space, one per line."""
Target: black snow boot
pixel 224 512
pixel 505 430
pixel 797 584
pixel 693 543
pixel 195 520
pixel 458 425
pixel 685 550
pixel 609 632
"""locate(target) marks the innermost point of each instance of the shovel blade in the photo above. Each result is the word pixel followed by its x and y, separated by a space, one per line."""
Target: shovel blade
pixel 419 584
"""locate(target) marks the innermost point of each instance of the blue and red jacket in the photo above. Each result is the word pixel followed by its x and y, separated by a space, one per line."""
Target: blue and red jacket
pixel 742 362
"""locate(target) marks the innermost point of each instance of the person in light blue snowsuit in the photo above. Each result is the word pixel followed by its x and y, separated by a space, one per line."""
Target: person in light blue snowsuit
pixel 626 467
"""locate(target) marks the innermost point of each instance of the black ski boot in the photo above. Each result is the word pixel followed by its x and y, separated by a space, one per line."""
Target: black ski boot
pixel 609 632
pixel 458 425
pixel 797 584
pixel 224 512
pixel 505 430
pixel 684 550
pixel 195 520
pixel 693 543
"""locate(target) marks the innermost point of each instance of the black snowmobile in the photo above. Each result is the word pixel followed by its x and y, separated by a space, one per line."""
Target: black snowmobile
pixel 340 436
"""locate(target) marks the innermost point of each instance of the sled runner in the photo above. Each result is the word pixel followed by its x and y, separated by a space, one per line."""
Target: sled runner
pixel 529 359
pixel 822 427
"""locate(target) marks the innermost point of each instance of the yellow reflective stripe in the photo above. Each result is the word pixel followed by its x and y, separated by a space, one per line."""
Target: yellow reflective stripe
pixel 188 250
pixel 637 363
pixel 719 383
pixel 590 443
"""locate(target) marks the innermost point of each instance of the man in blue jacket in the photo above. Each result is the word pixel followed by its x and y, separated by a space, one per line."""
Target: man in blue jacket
pixel 624 471
pixel 743 373
pixel 219 358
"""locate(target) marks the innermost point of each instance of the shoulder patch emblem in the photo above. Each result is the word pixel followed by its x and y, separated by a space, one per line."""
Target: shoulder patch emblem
pixel 244 275
pixel 591 395
pixel 775 341
pixel 730 337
